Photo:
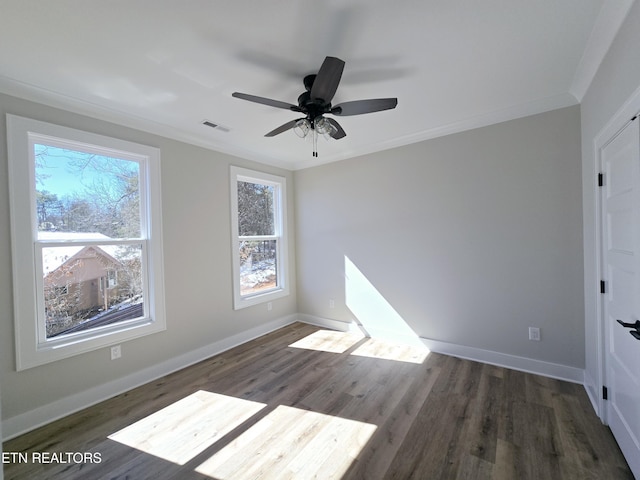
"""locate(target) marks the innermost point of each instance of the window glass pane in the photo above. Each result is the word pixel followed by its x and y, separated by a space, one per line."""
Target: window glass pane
pixel 257 266
pixel 255 209
pixel 84 192
pixel 89 286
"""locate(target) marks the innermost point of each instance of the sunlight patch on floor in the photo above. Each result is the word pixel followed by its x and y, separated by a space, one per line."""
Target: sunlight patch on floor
pixel 388 350
pixel 329 341
pixel 291 443
pixel 184 429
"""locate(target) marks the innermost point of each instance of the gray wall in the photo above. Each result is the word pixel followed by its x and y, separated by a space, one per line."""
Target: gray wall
pixel 198 282
pixel 470 238
pixel 617 79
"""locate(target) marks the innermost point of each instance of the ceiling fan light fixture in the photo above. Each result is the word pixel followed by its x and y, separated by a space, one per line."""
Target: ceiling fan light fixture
pixel 302 127
pixel 322 125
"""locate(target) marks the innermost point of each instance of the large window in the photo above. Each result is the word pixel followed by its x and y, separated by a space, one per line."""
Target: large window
pixel 87 252
pixel 258 228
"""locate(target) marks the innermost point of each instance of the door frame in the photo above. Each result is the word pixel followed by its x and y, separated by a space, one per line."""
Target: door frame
pixel 629 110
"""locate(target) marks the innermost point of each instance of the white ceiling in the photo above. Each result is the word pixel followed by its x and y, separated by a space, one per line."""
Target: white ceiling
pixel 165 66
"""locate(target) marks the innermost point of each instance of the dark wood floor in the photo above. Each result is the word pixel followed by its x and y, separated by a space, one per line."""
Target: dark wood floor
pixel 306 403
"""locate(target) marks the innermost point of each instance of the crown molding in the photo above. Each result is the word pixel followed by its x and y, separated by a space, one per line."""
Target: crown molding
pixel 609 21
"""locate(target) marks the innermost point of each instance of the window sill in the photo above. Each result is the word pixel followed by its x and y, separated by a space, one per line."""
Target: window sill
pixel 257 299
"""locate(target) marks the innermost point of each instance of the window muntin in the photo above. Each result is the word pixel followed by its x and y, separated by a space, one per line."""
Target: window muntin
pixel 86 240
pixel 259 224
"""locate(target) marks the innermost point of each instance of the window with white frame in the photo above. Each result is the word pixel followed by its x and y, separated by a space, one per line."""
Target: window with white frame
pixel 258 237
pixel 86 240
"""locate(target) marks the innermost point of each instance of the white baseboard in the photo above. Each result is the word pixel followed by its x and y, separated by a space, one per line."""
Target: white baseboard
pixel 326 322
pixel 593 393
pixel 514 362
pixel 14 426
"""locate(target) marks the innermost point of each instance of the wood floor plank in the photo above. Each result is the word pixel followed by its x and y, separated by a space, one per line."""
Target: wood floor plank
pixel 510 463
pixel 483 432
pixel 303 402
pixel 374 461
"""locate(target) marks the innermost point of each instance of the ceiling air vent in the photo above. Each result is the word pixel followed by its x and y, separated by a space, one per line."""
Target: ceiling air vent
pixel 215 125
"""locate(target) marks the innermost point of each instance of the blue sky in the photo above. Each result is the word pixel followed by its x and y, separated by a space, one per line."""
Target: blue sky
pixel 56 173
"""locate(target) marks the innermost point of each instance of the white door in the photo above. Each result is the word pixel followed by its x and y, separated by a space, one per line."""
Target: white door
pixel 621 268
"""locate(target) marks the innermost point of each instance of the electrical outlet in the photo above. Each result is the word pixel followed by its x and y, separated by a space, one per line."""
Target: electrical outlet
pixel 269 306
pixel 534 334
pixel 116 352
pixel 332 304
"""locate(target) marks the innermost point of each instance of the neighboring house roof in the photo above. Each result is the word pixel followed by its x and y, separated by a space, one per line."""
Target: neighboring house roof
pixel 124 312
pixel 54 258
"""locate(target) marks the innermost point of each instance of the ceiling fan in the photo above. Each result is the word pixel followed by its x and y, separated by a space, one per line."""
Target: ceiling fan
pixel 315 102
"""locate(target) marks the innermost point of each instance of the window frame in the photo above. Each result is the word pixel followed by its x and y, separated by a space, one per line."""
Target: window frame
pixel 32 348
pixel 238 174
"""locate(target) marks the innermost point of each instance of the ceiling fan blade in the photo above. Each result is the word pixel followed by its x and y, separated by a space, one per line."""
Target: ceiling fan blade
pixel 266 101
pixel 338 133
pixel 326 82
pixel 282 128
pixel 358 107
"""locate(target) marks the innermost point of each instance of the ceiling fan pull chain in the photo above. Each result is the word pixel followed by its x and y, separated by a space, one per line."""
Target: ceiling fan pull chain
pixel 315 142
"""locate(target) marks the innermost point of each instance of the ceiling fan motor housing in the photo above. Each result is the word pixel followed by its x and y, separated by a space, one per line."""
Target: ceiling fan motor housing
pixel 313 107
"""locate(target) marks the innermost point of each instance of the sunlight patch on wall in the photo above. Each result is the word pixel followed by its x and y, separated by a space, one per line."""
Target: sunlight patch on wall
pixel 184 429
pixel 329 341
pixel 293 442
pixel 373 312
